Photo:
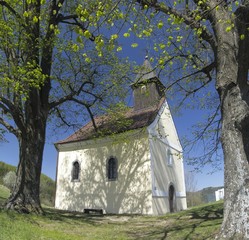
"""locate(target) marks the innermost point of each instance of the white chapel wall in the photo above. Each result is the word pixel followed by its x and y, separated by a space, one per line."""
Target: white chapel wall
pixel 164 175
pixel 130 193
pixel 167 163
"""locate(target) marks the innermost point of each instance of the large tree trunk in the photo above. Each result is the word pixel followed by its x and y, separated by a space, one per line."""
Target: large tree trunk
pixel 25 195
pixel 34 112
pixel 232 84
pixel 235 142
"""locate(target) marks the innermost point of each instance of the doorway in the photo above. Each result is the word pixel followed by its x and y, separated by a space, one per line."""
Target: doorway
pixel 171 198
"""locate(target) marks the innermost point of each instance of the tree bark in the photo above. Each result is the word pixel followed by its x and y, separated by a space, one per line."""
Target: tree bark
pixel 235 136
pixel 25 195
pixel 232 85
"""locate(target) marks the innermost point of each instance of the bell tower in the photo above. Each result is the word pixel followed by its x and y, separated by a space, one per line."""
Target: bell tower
pixel 147 88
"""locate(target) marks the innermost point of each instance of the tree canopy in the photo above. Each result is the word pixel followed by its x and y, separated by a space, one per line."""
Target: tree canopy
pixel 52 65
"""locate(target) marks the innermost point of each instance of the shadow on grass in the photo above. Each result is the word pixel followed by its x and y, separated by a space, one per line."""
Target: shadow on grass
pixel 200 219
pixel 93 218
pixel 197 223
pixel 60 215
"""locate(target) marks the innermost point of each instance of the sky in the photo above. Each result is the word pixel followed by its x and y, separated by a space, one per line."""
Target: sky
pixel 183 122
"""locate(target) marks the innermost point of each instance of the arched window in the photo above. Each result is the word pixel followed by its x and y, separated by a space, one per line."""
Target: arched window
pixel 76 171
pixel 169 157
pixel 112 169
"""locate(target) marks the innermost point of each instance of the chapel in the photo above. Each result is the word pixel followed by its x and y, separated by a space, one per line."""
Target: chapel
pixel 131 168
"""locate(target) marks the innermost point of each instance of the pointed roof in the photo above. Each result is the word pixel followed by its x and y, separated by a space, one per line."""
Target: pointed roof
pixel 146 72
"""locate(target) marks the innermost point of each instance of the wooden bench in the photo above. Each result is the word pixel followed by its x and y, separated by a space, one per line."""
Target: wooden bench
pixel 91 210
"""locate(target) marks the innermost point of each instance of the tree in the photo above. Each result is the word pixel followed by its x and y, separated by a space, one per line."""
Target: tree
pixel 49 63
pixel 193 197
pixel 213 46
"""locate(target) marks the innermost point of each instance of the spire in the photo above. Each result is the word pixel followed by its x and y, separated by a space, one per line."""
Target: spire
pixel 147 88
pixel 146 72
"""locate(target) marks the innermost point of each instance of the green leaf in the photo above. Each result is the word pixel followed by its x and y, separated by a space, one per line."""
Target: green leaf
pixel 242 36
pixel 134 45
pixel 126 34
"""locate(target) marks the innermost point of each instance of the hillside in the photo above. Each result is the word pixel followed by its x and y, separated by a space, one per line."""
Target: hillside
pixel 206 195
pixel 47 186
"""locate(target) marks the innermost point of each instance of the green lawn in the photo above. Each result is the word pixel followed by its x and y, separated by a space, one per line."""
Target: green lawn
pixel 196 223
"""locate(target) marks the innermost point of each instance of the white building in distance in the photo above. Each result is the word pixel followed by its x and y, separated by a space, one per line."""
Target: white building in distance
pixel 219 194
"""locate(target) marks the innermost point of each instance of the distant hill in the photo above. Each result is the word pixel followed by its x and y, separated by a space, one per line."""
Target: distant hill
pixel 47 186
pixel 207 194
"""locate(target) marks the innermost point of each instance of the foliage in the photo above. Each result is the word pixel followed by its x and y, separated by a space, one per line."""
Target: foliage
pixel 47 191
pixel 9 179
pixel 197 223
pixel 193 197
pixel 55 62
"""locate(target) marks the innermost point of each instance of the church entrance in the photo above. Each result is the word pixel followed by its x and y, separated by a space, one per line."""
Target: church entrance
pixel 171 198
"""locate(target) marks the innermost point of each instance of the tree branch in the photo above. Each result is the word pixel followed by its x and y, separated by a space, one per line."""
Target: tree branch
pixel 69 96
pixel 206 70
pixel 63 19
pixel 188 20
pixel 10 128
pixel 15 112
pixel 5 4
pixel 92 118
pixel 61 117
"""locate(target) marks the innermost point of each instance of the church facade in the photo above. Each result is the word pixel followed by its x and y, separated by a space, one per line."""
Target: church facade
pixel 135 169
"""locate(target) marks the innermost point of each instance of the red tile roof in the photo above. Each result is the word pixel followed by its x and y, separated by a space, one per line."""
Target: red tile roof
pixel 106 126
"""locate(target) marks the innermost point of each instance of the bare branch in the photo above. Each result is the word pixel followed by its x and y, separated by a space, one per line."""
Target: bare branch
pixel 58 113
pixel 92 118
pixel 212 126
pixel 69 96
pixel 10 128
pixel 14 111
pixel 206 70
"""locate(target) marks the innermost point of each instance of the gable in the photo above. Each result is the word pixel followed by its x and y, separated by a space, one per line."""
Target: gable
pixel 163 128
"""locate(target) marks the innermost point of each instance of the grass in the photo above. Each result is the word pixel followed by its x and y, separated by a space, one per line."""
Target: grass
pixel 197 223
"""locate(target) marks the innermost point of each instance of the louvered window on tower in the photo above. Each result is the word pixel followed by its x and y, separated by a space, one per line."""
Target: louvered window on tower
pixel 143 89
